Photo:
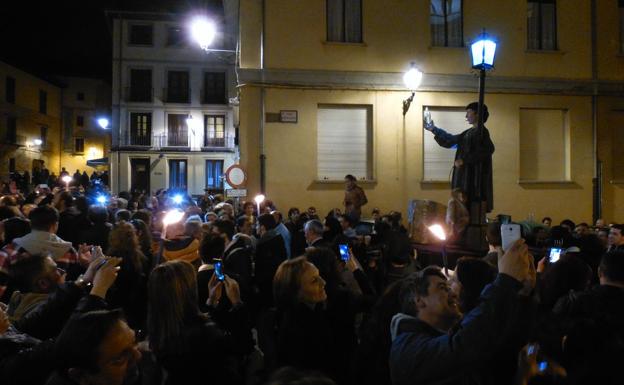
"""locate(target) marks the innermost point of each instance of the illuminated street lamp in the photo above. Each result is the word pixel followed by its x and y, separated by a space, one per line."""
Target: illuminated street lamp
pixel 103 122
pixel 482 51
pixel 259 199
pixel 412 79
pixel 66 179
pixel 37 142
pixel 438 232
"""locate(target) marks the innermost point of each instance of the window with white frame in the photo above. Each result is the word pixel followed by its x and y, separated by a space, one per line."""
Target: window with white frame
pixel 344 142
pixel 437 160
pixel 544 145
pixel 344 21
pixel 446 23
pixel 542 24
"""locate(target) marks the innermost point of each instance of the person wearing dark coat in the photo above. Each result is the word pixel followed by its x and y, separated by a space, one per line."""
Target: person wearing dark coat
pixel 305 338
pixel 70 220
pixel 96 234
pixel 270 252
pixel 84 180
pixel 430 345
pixel 473 157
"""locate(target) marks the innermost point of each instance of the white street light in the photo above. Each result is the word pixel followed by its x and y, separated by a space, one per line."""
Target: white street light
pixel 103 122
pixel 37 142
pixel 483 51
pixel 412 79
pixel 203 31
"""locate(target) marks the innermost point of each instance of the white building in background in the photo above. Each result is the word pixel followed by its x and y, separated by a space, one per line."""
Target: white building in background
pixel 173 125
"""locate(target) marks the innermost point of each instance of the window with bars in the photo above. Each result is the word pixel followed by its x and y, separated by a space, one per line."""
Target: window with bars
pixel 140 128
pixel 175 36
pixel 214 131
pixel 446 23
pixel 214 88
pixel 214 174
pixel 178 87
pixel 177 130
pixel 344 142
pixel 542 25
pixel 344 21
pixel 178 174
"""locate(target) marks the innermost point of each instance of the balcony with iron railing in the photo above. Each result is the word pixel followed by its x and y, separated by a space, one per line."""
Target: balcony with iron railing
pixel 215 143
pixel 177 95
pixel 176 142
pixel 209 96
pixel 139 94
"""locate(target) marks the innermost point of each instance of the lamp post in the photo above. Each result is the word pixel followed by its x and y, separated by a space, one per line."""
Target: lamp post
pixel 482 51
pixel 439 233
pixel 412 80
pixel 103 123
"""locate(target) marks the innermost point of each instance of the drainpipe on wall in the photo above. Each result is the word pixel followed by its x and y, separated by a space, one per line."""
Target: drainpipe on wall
pixel 119 95
pixel 596 181
pixel 262 108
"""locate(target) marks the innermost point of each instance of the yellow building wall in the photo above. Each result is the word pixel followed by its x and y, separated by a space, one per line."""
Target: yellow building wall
pixel 29 121
pixel 396 32
pixel 397 152
pixel 610 126
pixel 610 56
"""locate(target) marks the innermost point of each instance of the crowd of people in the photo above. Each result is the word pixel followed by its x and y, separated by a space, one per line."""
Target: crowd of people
pixel 169 289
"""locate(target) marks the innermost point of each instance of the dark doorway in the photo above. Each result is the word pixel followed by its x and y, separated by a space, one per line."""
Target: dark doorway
pixel 140 174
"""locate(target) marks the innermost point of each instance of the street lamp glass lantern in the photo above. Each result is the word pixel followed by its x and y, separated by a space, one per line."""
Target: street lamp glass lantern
pixel 413 78
pixel 203 32
pixel 103 122
pixel 483 51
pixel 37 142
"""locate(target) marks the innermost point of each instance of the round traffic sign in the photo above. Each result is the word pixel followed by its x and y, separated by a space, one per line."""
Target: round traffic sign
pixel 236 176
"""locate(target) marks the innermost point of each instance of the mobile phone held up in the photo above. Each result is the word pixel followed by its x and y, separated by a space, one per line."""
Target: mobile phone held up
pixel 344 251
pixel 218 270
pixel 555 254
pixel 509 234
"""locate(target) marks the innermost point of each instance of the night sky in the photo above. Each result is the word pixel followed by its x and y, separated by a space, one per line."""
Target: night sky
pixel 68 37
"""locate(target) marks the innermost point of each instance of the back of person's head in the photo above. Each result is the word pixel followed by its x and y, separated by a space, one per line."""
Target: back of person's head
pixel 211 247
pixel 417 285
pixel 15 228
pixel 568 224
pixel 291 376
pixel 326 262
pixel 569 273
pixel 26 270
pixel 80 353
pixel 122 215
pixel 43 218
pixel 144 215
pixel 225 227
pixel 82 204
pixel 350 177
pixel 493 234
pixel 172 300
pixel 619 227
pixel 125 195
pixel 268 221
pixel 475 107
pixel 287 282
pixel 124 243
pixel 97 214
pixel 193 228
pixel 612 266
pixel 314 226
pixel 473 274
pixel 67 199
pixel 400 250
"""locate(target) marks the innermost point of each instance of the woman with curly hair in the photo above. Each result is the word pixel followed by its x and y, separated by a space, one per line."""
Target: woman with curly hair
pixel 130 289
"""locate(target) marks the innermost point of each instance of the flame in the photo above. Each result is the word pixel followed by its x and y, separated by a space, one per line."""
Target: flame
pixel 438 231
